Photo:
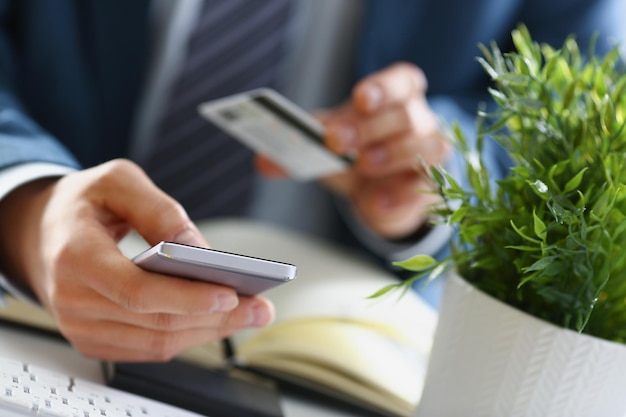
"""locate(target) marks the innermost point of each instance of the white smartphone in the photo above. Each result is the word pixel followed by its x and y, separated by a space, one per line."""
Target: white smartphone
pixel 247 275
pixel 272 125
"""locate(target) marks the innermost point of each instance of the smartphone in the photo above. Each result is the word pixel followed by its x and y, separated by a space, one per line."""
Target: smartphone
pixel 272 125
pixel 247 275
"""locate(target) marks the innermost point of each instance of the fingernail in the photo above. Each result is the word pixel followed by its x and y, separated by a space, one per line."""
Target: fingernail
pixel 189 236
pixel 259 315
pixel 343 137
pixel 226 302
pixel 373 96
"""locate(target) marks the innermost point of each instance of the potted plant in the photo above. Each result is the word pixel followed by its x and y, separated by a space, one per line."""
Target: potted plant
pixel 533 317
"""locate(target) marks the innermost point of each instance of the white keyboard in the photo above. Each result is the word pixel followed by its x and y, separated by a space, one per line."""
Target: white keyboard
pixel 28 391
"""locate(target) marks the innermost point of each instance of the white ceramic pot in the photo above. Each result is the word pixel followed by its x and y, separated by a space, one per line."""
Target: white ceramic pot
pixel 491 360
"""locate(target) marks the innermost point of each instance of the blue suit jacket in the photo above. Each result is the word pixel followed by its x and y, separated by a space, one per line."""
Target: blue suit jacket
pixel 71 71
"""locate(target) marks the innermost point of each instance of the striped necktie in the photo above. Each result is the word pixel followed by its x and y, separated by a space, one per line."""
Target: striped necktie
pixel 235 47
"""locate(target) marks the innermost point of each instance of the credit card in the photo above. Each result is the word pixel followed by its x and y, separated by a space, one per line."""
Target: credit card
pixel 273 126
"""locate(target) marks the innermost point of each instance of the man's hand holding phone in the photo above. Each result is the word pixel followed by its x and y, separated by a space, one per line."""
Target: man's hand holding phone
pixel 60 239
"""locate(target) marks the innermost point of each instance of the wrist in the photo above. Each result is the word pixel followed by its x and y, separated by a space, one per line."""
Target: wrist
pixel 20 217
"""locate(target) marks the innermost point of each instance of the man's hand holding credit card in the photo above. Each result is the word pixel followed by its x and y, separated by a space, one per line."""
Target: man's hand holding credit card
pixel 275 127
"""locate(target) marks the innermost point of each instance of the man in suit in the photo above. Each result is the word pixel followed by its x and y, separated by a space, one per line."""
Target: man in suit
pixel 71 77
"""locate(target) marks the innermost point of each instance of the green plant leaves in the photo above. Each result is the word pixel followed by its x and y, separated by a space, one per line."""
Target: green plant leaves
pixel 574 183
pixel 549 237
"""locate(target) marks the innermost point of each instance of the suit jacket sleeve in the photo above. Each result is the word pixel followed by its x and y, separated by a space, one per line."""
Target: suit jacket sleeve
pixel 21 139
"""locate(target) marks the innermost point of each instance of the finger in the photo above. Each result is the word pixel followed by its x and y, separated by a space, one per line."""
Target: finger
pixel 251 311
pixel 391 88
pixel 407 151
pixel 140 291
pixel 105 339
pixel 352 132
pixel 414 116
pixel 388 87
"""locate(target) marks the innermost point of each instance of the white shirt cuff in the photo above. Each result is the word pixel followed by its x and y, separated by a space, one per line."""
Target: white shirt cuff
pixel 13 177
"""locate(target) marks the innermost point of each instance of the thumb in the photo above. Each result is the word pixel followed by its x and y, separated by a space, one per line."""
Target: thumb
pixel 132 196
